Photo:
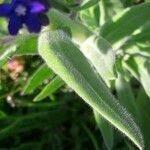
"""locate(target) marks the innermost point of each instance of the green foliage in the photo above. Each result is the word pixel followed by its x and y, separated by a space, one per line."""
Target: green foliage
pixel 106 129
pixel 99 49
pixel 50 88
pixel 101 55
pixel 61 55
pixel 37 78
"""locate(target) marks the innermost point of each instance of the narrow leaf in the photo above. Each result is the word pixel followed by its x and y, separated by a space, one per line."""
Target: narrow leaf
pixel 143 104
pixel 106 130
pixel 102 56
pixel 125 23
pixel 69 63
pixel 86 4
pixel 125 94
pixel 37 78
pixel 140 69
pixel 50 88
pixel 22 45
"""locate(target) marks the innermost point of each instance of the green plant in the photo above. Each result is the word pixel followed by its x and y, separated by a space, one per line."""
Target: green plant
pixel 98 48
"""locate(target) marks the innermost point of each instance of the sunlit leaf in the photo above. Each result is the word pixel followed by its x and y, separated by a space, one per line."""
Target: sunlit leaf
pixel 66 60
pixel 120 27
pixel 140 69
pixel 102 56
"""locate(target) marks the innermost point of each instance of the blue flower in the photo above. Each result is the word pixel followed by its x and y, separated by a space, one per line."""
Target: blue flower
pixel 28 12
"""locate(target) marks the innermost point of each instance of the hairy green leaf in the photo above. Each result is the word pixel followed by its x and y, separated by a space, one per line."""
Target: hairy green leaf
pixel 66 60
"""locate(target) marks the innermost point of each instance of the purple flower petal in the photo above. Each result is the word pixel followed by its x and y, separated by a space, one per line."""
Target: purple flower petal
pixel 5 9
pixel 46 3
pixel 37 7
pixel 33 23
pixel 15 23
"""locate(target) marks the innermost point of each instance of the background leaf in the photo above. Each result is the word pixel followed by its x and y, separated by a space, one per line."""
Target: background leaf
pixel 106 129
pixel 50 88
pixel 101 55
pixel 140 68
pixel 115 30
pixel 37 78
